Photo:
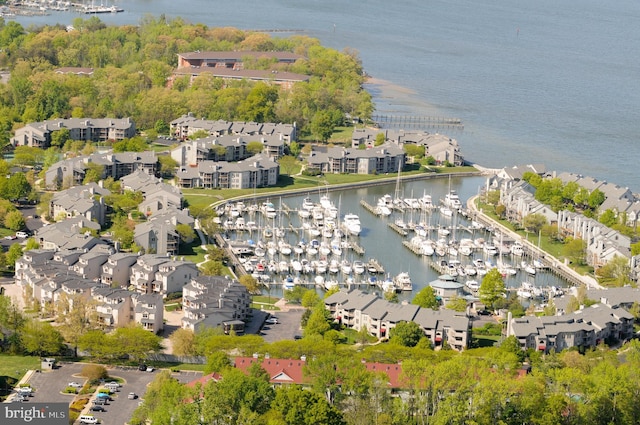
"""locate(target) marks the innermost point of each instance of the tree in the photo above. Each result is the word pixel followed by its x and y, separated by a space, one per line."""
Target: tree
pixel 296 406
pixel 93 173
pixel 426 298
pixel 135 342
pixel 457 304
pixel 16 187
pixel 250 283
pixel 287 163
pixel 596 198
pixel 413 150
pixel 322 125
pixel 492 287
pixel 94 372
pixel 217 362
pixel 212 268
pixel 186 232
pixel 407 334
pixel 575 249
pixel 183 342
pixel 75 316
pixel 14 220
pixel 318 322
pixel 615 273
pixel 294 149
pixel 533 222
pixel 380 139
pixel 254 148
pixel 41 339
pixel 168 165
pixel 14 252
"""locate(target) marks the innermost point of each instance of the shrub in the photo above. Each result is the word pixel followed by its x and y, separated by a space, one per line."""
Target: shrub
pixel 70 390
pixel 94 372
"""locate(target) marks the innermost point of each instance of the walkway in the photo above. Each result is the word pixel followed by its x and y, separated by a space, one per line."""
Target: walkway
pixel 590 282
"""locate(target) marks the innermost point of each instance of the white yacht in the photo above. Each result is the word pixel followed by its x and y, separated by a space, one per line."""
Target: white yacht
pixel 452 200
pixel 402 282
pixel 351 224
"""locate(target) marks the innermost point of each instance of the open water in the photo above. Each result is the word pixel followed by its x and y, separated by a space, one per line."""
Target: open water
pixel 547 81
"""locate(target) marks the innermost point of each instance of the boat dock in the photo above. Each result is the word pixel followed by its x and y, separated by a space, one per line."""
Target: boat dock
pixel 368 207
pixel 399 230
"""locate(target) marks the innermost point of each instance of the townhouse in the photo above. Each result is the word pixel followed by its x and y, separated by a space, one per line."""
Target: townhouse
pixel 186 125
pixel 38 134
pixel 210 301
pixel 71 172
pixel 257 171
pixel 68 234
pixel 441 147
pixel 386 158
pixel 118 307
pixel 584 328
pixel 359 310
pixel 86 201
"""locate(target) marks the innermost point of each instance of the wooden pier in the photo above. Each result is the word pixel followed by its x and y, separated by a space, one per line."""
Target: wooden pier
pixel 399 230
pixel 412 248
pixel 373 264
pixel 356 248
pixel 416 122
pixel 368 207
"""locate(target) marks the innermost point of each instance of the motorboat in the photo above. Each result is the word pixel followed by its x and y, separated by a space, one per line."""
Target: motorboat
pixel 346 267
pixel 452 200
pixel 472 285
pixel 517 249
pixel 351 223
pixel 402 282
pixel 358 267
pixel 527 267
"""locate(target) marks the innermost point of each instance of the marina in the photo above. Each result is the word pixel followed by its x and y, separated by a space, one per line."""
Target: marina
pixel 302 240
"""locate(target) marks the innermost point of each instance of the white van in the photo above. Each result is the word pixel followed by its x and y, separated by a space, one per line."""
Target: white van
pixel 88 419
pixel 22 235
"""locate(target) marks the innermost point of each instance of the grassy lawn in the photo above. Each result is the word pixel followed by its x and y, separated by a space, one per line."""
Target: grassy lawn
pixel 192 252
pixel 13 368
pixel 486 340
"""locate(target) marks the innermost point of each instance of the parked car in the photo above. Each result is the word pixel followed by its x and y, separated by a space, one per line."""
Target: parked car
pixel 100 401
pixel 132 396
pixel 272 321
pixel 22 235
pixel 11 237
pixel 142 367
pixel 88 419
pixel 97 408
pixel 74 385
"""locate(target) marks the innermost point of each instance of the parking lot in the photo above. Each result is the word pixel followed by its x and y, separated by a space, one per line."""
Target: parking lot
pixel 288 326
pixel 49 386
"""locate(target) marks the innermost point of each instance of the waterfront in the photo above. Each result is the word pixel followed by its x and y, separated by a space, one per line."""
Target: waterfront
pixel 379 240
pixel 533 82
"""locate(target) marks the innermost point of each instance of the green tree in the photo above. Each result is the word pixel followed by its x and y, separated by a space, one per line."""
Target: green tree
pixel 14 252
pixel 492 288
pixel 254 148
pixel 183 342
pixel 135 342
pixel 533 223
pixel 217 362
pixel 59 137
pixel 75 316
pixel 414 150
pixel 380 139
pixel 608 218
pixel 615 273
pixel 93 173
pixel 575 249
pixel 168 165
pixel 186 232
pixel 294 149
pixel 250 283
pixel 407 334
pixel 322 125
pixel 287 163
pixel 457 304
pixel 41 339
pixel 596 198
pixel 318 322
pixel 296 406
pixel 14 220
pixel 426 298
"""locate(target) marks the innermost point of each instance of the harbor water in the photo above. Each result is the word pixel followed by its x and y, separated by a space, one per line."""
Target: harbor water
pixel 377 237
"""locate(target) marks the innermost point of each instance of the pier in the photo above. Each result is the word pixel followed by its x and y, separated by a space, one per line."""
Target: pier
pixel 368 207
pixel 417 122
pixel 399 230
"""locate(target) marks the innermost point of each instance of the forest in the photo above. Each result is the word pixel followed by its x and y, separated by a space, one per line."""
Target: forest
pixel 131 65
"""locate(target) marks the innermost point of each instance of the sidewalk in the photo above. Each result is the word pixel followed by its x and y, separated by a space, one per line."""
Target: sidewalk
pixel 590 282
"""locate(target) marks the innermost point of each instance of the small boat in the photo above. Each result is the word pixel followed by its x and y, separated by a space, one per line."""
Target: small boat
pixel 334 266
pixel 351 223
pixel 472 285
pixel 528 268
pixel 517 249
pixel 346 267
pixel 358 267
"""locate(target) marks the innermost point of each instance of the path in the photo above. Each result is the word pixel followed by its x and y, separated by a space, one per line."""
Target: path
pixel 590 282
